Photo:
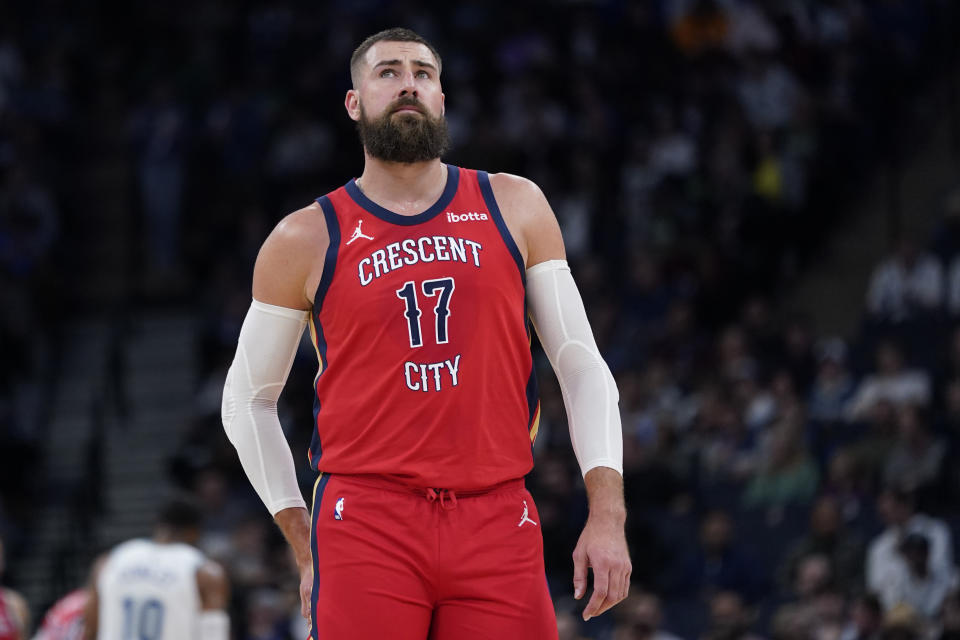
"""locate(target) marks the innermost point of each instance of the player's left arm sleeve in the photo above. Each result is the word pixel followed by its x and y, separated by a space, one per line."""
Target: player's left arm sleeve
pixel 589 390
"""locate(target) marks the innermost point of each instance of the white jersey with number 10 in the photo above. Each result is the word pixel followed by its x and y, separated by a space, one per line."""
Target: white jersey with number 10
pixel 148 591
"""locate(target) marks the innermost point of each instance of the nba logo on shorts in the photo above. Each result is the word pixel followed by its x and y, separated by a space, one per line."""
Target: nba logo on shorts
pixel 338 510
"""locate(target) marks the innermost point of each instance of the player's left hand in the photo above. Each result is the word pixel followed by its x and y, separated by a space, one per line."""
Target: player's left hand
pixel 603 548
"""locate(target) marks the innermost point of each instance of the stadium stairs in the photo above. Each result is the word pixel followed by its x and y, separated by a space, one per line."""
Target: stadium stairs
pixel 116 426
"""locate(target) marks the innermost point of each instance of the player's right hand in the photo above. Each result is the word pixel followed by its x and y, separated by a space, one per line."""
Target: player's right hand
pixel 306 589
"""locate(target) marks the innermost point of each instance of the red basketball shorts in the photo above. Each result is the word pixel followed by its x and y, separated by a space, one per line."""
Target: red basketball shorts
pixel 392 562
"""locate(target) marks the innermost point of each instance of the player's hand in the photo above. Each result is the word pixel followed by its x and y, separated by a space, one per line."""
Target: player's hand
pixel 306 589
pixel 603 548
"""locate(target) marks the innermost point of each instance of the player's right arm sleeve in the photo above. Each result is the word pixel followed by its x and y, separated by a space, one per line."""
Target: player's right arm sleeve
pixel 268 343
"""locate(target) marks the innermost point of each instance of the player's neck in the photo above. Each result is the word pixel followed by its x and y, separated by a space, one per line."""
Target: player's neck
pixel 404 188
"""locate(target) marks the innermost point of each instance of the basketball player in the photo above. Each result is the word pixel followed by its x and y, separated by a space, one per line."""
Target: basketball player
pixel 160 589
pixel 14 612
pixel 416 280
pixel 64 620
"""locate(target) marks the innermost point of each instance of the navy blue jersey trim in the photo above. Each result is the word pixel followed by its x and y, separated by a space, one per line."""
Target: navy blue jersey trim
pixel 316 448
pixel 533 395
pixel 450 190
pixel 484 179
pixel 317 504
pixel 330 260
pixel 329 266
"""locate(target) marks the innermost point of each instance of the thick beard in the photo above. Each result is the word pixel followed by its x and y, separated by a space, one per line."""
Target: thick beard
pixel 403 137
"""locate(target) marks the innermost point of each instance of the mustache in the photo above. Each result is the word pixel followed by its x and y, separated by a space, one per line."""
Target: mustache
pixel 406 101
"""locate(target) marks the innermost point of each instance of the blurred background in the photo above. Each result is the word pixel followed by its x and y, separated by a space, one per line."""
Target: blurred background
pixel 760 201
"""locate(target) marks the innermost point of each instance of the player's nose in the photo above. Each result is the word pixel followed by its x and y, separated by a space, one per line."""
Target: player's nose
pixel 408 86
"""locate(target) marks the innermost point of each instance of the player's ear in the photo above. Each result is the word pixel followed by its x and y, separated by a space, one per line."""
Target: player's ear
pixel 443 103
pixel 352 103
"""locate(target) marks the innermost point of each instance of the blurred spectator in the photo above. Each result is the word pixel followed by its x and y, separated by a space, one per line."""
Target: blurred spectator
pixel 639 618
pixel 702 29
pixel 729 618
pixel 901 623
pixel 906 285
pixel 813 575
pixel 718 564
pixel 847 484
pixel 787 474
pixel 884 559
pixel 769 93
pixel 833 385
pixel 727 448
pixel 793 622
pixel 828 537
pixel 915 582
pixel 917 456
pixel 266 617
pixel 892 382
pixel 865 618
pixel 750 29
pixel 568 626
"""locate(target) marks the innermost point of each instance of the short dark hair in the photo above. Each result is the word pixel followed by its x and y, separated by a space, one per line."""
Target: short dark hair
pixel 180 513
pixel 395 34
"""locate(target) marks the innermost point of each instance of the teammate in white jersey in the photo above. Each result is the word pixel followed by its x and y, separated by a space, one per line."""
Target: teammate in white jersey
pixel 160 589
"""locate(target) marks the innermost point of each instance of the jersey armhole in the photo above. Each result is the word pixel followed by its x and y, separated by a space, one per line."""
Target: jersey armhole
pixel 483 178
pixel 330 259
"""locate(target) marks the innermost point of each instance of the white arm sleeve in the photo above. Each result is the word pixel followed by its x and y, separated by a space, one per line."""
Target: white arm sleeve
pixel 214 625
pixel 268 342
pixel 589 390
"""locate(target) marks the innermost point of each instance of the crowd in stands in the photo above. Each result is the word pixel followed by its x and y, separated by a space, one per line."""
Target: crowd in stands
pixel 780 483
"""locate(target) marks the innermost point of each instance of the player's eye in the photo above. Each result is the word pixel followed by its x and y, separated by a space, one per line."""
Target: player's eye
pixel 387 73
pixel 423 74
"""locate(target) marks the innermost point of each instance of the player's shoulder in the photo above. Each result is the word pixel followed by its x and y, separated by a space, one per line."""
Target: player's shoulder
pixel 302 227
pixel 132 545
pixel 521 201
pixel 9 595
pixel 512 186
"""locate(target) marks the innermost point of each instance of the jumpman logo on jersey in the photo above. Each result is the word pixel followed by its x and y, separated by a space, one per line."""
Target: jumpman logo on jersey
pixel 526 516
pixel 358 233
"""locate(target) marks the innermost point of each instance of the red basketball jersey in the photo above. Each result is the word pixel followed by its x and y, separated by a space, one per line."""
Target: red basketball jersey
pixel 421 330
pixel 8 630
pixel 64 621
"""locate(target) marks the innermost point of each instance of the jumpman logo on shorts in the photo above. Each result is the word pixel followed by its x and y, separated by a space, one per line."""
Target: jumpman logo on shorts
pixel 526 515
pixel 358 233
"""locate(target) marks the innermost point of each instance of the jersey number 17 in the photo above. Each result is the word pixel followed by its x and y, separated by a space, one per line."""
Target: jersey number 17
pixel 442 289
